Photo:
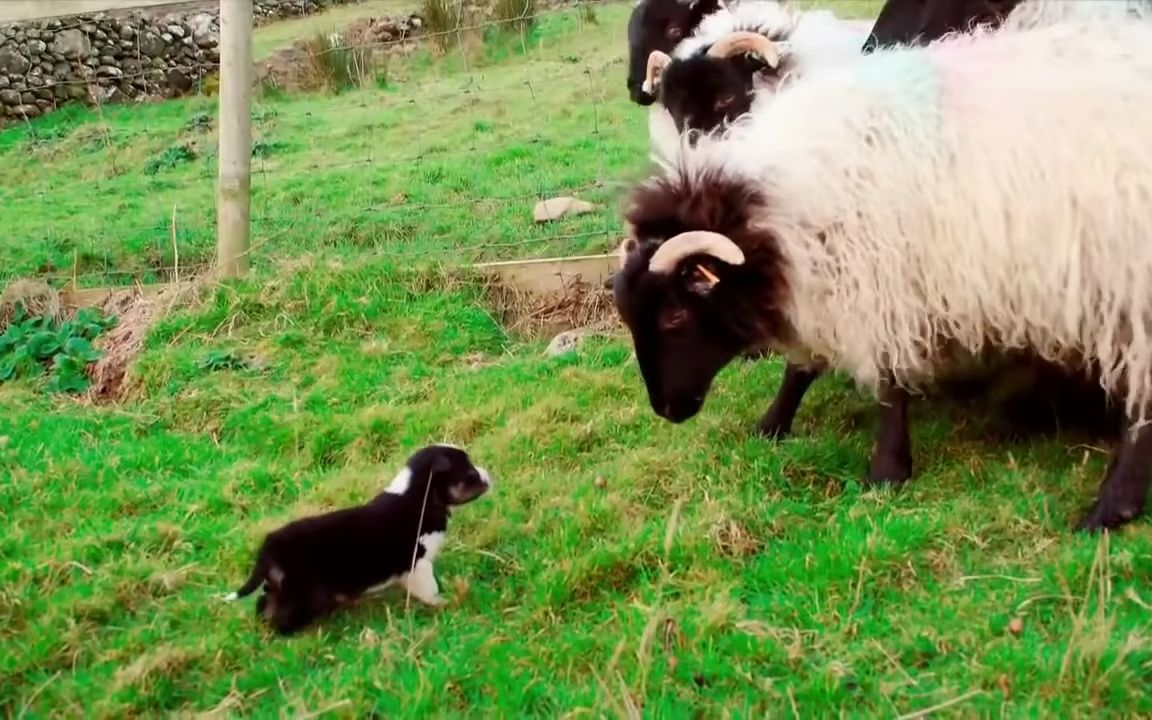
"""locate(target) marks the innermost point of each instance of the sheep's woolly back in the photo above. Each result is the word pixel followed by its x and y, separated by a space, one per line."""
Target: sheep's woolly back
pixel 1034 13
pixel 767 17
pixel 811 39
pixel 995 186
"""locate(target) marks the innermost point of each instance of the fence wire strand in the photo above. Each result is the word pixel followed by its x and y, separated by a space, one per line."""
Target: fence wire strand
pixel 446 161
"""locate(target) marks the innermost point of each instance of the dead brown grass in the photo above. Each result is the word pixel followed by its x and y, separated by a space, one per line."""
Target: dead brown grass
pixel 36 297
pixel 122 343
pixel 578 305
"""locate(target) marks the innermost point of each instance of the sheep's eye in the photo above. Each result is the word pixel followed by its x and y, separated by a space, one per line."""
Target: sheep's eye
pixel 673 32
pixel 673 318
pixel 725 102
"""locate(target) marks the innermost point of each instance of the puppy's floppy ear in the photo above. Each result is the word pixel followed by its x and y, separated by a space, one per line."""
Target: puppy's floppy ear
pixel 441 464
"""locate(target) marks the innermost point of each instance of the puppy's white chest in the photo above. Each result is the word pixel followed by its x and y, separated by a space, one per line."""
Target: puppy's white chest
pixel 432 542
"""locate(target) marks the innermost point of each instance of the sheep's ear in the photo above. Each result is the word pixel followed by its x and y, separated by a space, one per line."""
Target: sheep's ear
pixel 699 279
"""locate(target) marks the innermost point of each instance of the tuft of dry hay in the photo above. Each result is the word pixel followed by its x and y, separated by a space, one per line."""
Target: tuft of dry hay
pixel 578 305
pixel 36 297
pixel 135 311
pixel 121 343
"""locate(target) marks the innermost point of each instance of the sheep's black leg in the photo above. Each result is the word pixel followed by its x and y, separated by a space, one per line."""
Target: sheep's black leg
pixel 892 454
pixel 1124 490
pixel 777 422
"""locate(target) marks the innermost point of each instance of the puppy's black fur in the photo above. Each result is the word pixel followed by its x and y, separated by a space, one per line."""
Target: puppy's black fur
pixel 312 565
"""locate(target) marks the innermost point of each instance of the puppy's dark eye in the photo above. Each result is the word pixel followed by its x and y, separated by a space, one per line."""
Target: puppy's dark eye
pixel 673 32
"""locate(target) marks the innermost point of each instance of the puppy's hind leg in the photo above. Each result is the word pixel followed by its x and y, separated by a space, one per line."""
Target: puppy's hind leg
pixel 421 584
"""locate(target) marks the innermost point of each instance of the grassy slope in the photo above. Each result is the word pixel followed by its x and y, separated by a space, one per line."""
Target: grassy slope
pixel 784 586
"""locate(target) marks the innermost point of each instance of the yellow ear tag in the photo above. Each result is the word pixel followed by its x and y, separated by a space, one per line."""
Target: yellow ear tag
pixel 712 279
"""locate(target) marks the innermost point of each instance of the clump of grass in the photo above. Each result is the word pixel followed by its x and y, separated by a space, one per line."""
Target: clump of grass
pixel 267 148
pixel 517 16
pixel 442 18
pixel 338 65
pixel 588 13
pixel 170 158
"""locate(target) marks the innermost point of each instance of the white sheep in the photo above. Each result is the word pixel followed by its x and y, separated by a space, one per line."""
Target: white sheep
pixel 885 215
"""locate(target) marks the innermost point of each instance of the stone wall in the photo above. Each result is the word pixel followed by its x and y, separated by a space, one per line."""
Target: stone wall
pixel 106 57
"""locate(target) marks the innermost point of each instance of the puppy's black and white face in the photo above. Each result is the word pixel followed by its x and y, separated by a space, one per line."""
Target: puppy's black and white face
pixel 454 479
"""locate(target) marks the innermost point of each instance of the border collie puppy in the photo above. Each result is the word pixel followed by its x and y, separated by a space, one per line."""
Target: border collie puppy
pixel 311 566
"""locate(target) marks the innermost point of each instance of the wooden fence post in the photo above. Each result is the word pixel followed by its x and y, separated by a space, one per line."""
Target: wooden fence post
pixel 234 184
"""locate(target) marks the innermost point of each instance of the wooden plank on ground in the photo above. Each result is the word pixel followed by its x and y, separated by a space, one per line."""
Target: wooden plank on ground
pixel 74 298
pixel 541 276
pixel 552 274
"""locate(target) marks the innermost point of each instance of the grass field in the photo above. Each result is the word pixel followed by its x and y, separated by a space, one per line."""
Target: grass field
pixel 622 566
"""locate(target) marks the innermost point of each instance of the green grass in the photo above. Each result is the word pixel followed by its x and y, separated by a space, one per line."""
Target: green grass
pixel 710 572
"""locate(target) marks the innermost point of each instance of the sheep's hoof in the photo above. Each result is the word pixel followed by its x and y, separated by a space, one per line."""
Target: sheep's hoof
pixel 774 427
pixel 1106 516
pixel 888 470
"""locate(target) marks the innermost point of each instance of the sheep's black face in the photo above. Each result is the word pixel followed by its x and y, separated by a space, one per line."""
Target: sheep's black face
pixel 688 323
pixel 702 93
pixel 681 343
pixel 659 25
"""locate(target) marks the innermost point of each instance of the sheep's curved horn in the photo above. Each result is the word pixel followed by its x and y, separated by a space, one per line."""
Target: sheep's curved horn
pixel 746 41
pixel 657 61
pixel 675 249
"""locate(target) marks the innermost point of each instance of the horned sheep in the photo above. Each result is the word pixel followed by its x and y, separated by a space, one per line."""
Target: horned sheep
pixel 988 190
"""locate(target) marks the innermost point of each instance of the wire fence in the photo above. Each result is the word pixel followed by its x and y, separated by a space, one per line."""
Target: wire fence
pixel 438 146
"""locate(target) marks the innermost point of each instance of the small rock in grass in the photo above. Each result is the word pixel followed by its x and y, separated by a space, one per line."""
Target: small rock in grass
pixel 600 482
pixel 1016 626
pixel 556 208
pixel 565 342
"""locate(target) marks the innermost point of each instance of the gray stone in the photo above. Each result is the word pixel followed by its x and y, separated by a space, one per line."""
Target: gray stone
pixel 107 60
pixel 152 45
pixel 175 31
pixel 166 37
pixel 5 82
pixel 72 44
pixel 127 32
pixel 35 81
pixel 37 47
pixel 109 71
pixel 13 63
pixel 9 97
pixel 178 80
pixel 29 110
pixel 27 97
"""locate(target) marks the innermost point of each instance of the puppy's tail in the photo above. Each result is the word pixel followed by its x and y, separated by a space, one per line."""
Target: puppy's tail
pixel 259 572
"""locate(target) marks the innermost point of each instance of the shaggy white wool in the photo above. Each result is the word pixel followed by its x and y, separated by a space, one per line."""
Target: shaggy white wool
pixel 996 185
pixel 817 40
